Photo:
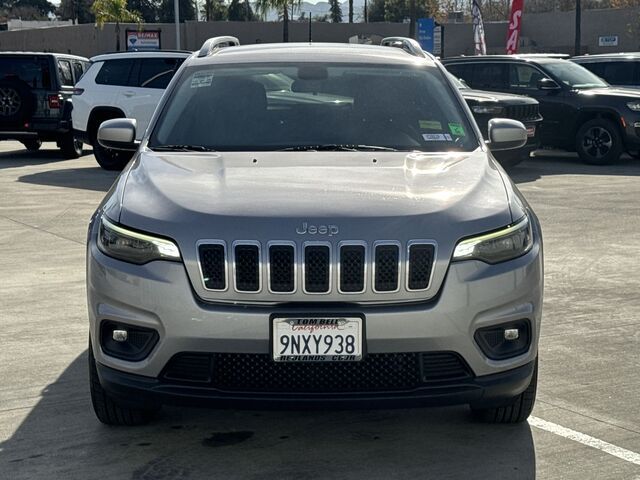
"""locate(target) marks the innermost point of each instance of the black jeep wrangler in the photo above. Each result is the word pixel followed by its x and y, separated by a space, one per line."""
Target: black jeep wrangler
pixel 35 99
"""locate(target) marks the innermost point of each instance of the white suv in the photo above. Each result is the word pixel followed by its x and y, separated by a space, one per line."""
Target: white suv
pixel 121 85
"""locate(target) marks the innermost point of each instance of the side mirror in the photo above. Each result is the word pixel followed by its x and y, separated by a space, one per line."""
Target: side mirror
pixel 547 84
pixel 506 134
pixel 118 134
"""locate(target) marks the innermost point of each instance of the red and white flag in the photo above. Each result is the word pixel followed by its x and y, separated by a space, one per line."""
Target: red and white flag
pixel 515 22
pixel 478 29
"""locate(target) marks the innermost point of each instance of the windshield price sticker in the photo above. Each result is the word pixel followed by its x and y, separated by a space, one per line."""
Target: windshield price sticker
pixel 317 339
pixel 202 79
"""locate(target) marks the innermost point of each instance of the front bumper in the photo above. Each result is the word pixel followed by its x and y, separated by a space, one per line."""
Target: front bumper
pixel 158 295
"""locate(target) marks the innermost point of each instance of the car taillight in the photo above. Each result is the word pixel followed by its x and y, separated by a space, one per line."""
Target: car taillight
pixel 54 101
pixel 78 91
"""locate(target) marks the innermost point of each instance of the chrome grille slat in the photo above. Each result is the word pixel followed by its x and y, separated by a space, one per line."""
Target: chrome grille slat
pixel 356 267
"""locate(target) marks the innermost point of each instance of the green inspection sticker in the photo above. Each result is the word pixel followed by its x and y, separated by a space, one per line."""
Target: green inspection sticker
pixel 456 129
pixel 430 125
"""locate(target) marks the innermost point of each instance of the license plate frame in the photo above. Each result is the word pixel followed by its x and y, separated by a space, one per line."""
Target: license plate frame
pixel 279 317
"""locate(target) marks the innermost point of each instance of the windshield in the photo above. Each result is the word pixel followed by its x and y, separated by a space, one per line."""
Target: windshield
pixel 574 75
pixel 312 106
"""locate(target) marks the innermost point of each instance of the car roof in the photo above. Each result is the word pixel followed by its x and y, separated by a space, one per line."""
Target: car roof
pixel 608 56
pixel 142 54
pixel 310 52
pixel 52 54
pixel 525 58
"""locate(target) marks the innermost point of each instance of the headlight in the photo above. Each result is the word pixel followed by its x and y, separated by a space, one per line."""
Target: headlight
pixel 124 244
pixel 635 106
pixel 487 109
pixel 499 246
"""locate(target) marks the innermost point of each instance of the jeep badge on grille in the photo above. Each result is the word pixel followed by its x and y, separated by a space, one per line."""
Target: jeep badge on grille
pixel 304 229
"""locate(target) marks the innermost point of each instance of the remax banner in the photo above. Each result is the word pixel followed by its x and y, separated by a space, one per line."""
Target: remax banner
pixel 515 22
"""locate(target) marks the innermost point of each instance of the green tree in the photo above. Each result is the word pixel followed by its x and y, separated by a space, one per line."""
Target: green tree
pixel 149 10
pixel 187 11
pixel 114 11
pixel 240 11
pixel 335 11
pixel 77 10
pixel 282 7
pixel 213 10
pixel 26 9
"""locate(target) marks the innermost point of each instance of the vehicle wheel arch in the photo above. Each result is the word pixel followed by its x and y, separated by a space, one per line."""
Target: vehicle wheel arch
pixel 587 114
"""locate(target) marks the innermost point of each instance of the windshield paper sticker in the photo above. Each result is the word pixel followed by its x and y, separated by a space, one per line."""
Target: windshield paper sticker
pixel 456 129
pixel 430 125
pixel 436 137
pixel 202 79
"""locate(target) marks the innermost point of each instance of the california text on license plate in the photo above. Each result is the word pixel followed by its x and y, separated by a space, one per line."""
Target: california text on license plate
pixel 317 339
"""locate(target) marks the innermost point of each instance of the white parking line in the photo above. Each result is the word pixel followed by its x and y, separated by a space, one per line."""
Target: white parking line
pixel 622 453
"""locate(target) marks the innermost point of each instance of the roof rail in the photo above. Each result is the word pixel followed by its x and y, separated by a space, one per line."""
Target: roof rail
pixel 409 45
pixel 216 43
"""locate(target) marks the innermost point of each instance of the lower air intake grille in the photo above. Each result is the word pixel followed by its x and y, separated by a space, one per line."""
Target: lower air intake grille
pixel 212 261
pixel 189 367
pixel 386 266
pixel 420 263
pixel 247 267
pixel 317 268
pixel 241 372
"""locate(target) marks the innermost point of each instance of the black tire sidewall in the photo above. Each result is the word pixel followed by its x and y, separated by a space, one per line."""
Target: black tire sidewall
pixel 616 149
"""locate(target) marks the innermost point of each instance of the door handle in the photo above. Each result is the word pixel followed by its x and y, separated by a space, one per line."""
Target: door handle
pixel 129 94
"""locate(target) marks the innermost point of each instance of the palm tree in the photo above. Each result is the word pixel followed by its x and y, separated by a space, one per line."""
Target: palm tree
pixel 282 7
pixel 114 11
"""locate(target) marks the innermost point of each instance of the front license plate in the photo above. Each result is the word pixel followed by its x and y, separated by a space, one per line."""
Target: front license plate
pixel 317 339
pixel 531 131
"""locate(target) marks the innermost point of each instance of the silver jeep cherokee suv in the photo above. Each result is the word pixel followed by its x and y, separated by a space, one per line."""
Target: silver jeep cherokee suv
pixel 313 225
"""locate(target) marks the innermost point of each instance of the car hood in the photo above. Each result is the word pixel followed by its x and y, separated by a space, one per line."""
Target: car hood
pixel 506 98
pixel 630 93
pixel 302 197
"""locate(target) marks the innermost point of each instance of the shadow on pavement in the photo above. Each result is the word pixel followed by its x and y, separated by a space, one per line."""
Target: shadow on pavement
pixel 60 438
pixel 91 178
pixel 540 166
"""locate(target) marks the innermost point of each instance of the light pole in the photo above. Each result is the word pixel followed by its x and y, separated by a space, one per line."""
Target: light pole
pixel 578 33
pixel 176 13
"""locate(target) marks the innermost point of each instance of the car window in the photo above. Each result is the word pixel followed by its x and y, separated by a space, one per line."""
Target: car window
pixel 619 73
pixel 524 77
pixel 66 77
pixel 34 71
pixel 573 75
pixel 596 68
pixel 157 72
pixel 115 72
pixel 460 70
pixel 78 70
pixel 279 106
pixel 489 76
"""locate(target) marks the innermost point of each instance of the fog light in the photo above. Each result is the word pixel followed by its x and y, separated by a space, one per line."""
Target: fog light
pixel 127 342
pixel 506 340
pixel 510 334
pixel 120 335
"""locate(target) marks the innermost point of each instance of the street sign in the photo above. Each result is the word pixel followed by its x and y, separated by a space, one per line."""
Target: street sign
pixel 608 41
pixel 430 35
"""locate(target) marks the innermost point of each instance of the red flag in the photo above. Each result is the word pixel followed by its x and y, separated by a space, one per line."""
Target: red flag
pixel 515 22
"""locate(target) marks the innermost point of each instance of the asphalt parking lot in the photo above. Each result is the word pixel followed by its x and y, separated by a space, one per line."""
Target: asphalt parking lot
pixel 586 423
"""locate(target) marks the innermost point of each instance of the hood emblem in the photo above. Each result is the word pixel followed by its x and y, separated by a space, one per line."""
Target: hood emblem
pixel 306 228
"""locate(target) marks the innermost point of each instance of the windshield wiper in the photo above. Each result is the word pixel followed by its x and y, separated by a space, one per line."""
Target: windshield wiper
pixel 335 147
pixel 181 148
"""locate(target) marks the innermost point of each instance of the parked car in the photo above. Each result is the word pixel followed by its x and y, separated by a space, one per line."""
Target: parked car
pixel 349 240
pixel 581 111
pixel 618 69
pixel 119 85
pixel 35 99
pixel 488 105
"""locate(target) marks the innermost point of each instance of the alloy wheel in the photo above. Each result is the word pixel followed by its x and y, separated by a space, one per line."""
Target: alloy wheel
pixel 10 102
pixel 597 142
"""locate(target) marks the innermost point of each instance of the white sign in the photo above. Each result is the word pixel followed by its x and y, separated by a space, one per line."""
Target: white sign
pixel 437 41
pixel 608 41
pixel 143 40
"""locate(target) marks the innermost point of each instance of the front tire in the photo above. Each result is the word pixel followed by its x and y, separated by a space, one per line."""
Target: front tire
pixel 598 142
pixel 108 410
pixel 516 411
pixel 110 159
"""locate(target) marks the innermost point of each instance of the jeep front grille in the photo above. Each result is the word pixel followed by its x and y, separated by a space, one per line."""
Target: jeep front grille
pixel 317 268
